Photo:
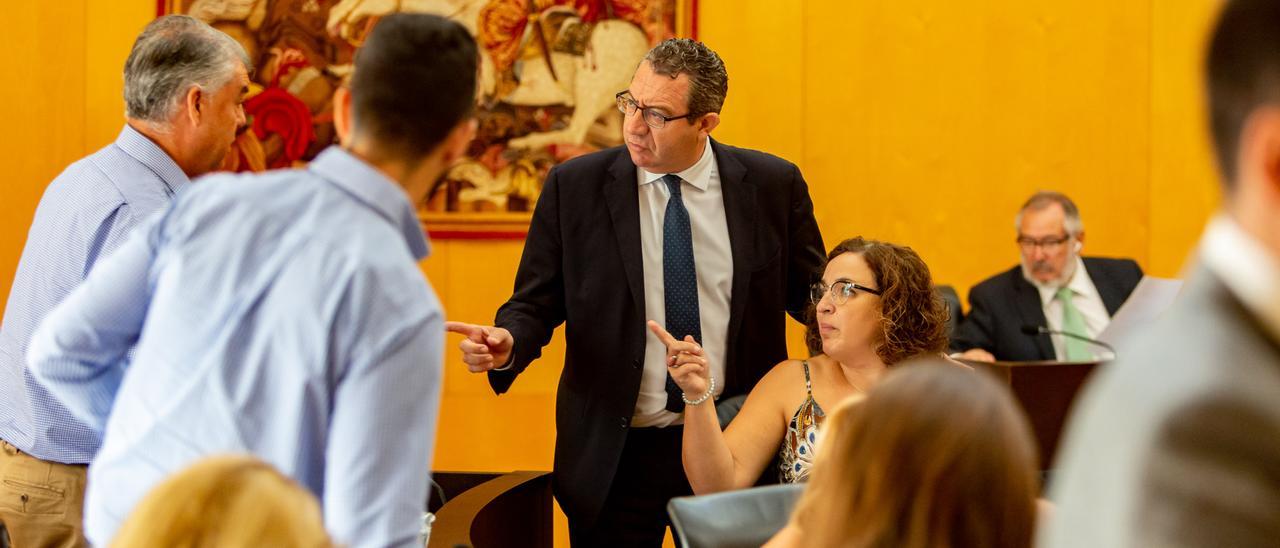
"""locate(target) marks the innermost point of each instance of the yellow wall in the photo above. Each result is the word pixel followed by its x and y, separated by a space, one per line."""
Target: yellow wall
pixel 60 98
pixel 921 122
pixel 928 122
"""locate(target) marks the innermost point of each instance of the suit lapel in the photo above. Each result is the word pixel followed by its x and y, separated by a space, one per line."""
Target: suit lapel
pixel 1111 295
pixel 739 210
pixel 1032 312
pixel 622 196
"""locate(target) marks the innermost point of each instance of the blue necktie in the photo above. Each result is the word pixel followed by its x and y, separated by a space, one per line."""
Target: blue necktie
pixel 680 280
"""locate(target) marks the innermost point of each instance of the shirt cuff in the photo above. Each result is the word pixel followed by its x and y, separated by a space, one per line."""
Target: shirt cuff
pixel 507 366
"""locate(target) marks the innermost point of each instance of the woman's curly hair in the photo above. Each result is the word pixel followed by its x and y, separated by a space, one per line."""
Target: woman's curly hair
pixel 913 317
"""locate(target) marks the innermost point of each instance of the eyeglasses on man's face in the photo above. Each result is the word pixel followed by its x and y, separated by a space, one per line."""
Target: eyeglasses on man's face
pixel 1050 244
pixel 840 290
pixel 627 105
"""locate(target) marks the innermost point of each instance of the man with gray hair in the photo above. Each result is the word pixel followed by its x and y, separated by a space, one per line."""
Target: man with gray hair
pixel 1054 288
pixel 184 83
pixel 714 242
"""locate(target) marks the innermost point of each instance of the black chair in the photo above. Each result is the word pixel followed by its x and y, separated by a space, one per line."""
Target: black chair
pixel 728 408
pixel 746 517
pixel 952 299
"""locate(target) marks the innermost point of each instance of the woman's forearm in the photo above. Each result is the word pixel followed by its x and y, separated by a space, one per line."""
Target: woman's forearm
pixel 708 461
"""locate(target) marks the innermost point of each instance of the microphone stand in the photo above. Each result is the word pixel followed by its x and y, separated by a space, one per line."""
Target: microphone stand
pixel 1035 330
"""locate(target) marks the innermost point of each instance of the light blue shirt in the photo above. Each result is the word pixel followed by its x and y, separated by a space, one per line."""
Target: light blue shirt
pixel 85 213
pixel 279 314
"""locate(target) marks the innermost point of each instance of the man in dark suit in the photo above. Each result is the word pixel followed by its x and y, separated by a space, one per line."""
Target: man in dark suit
pixel 1177 444
pixel 709 240
pixel 1054 287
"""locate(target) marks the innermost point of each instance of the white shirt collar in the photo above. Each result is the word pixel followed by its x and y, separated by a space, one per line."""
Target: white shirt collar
pixel 1246 267
pixel 698 174
pixel 1080 285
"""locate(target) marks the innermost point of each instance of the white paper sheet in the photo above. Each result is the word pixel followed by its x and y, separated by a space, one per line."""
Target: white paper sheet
pixel 1149 299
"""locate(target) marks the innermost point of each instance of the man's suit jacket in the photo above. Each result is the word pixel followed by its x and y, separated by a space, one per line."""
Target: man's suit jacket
pixel 582 266
pixel 1177 443
pixel 1002 304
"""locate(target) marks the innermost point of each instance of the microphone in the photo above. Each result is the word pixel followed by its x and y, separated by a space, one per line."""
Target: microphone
pixel 1035 330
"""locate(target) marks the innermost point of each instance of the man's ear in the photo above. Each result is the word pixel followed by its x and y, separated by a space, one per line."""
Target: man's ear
pixel 342 114
pixel 1258 157
pixel 708 122
pixel 1268 151
pixel 456 144
pixel 192 100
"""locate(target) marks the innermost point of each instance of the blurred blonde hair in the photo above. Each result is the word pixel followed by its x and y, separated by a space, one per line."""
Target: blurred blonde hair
pixel 935 456
pixel 226 501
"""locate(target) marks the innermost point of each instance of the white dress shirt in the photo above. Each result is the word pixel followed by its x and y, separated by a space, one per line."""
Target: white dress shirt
pixel 714 260
pixel 1246 267
pixel 1086 299
pixel 84 215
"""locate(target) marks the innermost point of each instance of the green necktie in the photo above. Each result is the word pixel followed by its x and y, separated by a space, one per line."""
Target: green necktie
pixel 1075 350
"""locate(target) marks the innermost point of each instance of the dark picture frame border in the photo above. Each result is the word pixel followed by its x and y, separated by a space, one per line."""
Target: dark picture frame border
pixel 499 225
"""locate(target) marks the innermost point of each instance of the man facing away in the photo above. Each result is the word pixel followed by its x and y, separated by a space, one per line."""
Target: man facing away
pixel 1177 443
pixel 709 240
pixel 1054 288
pixel 283 314
pixel 184 83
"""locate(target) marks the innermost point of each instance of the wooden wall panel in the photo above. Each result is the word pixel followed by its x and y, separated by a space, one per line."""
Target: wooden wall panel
pixel 42 96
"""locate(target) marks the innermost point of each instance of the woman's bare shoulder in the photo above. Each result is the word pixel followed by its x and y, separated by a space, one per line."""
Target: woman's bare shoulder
pixel 784 374
pixel 782 384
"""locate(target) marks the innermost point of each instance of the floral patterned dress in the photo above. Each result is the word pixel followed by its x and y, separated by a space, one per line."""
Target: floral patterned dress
pixel 796 454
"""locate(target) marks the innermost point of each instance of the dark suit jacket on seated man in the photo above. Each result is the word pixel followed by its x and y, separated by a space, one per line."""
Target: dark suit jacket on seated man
pixel 1053 287
pixel 718 241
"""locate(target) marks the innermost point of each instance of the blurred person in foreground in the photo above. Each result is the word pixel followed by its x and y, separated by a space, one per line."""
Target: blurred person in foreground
pixel 226 501
pixel 1178 442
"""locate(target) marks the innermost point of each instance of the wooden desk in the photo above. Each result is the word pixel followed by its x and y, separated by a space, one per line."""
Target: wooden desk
pixel 1046 390
pixel 484 510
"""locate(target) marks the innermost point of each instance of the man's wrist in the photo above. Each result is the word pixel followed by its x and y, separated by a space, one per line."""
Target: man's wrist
pixel 511 360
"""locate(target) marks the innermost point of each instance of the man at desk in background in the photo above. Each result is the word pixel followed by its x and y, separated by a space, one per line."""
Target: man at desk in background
pixel 1054 287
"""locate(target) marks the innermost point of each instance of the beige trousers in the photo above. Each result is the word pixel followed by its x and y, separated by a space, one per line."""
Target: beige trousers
pixel 41 502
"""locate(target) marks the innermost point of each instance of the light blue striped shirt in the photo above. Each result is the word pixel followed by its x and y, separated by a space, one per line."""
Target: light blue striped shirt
pixel 279 314
pixel 86 212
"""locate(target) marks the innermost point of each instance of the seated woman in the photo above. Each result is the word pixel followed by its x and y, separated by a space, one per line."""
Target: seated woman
pixel 874 307
pixel 226 501
pixel 934 456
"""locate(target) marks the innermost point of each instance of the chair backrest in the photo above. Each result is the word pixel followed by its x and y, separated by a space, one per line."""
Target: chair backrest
pixel 952 299
pixel 746 517
pixel 728 408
